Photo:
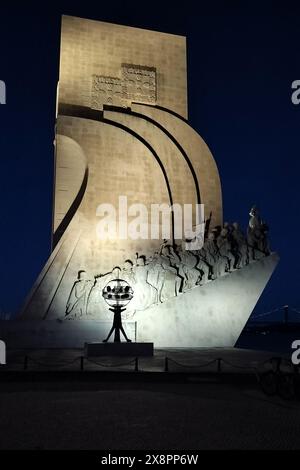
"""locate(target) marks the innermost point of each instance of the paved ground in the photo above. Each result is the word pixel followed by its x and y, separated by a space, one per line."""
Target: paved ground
pixel 63 414
pixel 143 416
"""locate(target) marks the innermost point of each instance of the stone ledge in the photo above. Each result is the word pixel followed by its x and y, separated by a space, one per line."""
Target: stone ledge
pixel 118 349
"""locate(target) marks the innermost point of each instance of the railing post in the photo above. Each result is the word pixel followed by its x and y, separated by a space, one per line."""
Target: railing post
pixel 219 360
pixel 166 364
pixel 136 364
pixel 81 362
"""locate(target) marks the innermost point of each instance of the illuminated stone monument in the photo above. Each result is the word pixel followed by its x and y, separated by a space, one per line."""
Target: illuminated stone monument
pixel 122 132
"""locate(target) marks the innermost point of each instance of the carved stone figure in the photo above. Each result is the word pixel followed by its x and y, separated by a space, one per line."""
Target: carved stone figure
pixel 96 307
pixel 156 274
pixel 211 253
pixel 226 258
pixel 174 276
pixel 144 293
pixel 255 220
pixel 240 246
pixel 78 298
pixel 264 244
pixel 127 272
pixel 171 281
pixel 257 236
pixel 203 267
pixel 188 265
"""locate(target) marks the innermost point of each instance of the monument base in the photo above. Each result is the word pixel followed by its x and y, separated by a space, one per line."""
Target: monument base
pixel 118 349
pixel 44 334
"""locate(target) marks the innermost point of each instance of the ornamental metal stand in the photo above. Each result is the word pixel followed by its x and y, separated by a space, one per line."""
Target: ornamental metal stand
pixel 117 294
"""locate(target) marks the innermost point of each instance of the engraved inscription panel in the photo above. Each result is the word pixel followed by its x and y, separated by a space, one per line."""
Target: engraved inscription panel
pixel 106 90
pixel 139 83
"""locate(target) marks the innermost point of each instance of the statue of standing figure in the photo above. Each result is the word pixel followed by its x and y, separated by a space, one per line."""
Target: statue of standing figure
pixel 257 236
pixel 145 294
pixel 79 295
pixel 226 258
pixel 209 254
pixel 241 247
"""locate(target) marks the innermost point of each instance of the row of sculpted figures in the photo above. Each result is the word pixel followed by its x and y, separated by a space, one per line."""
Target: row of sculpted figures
pixel 172 270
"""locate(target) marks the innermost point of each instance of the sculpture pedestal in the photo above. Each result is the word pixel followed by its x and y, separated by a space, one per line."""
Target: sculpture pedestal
pixel 118 349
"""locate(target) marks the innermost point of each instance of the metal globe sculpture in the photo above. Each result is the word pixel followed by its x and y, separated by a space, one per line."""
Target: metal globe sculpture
pixel 117 294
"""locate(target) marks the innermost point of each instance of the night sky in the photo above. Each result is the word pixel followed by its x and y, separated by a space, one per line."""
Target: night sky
pixel 242 60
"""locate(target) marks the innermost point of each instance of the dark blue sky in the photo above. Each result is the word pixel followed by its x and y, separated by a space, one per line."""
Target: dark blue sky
pixel 242 60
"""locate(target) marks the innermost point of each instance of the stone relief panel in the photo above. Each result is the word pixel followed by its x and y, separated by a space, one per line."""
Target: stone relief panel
pixel 172 269
pixel 137 84
pixel 106 90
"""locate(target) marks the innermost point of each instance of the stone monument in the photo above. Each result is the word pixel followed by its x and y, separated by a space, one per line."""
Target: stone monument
pixel 122 134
